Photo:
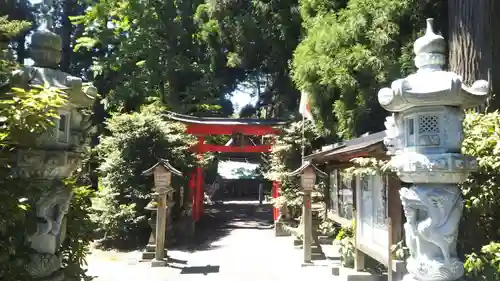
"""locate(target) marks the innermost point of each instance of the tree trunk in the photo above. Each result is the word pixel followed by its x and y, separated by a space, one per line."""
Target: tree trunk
pixel 474 43
pixel 66 31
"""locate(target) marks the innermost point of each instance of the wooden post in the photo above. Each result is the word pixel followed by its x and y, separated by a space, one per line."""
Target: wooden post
pixel 389 264
pixel 200 192
pixel 307 240
pixel 275 193
pixel 161 223
pixel 261 193
pixel 194 192
pixel 199 180
pixel 359 256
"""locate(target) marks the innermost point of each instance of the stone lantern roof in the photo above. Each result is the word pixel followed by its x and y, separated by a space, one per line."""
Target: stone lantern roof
pixel 431 85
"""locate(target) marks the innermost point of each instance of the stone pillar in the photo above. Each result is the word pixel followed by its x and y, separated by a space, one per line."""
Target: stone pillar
pixel 424 136
pixel 161 220
pixel 279 229
pixel 307 216
pixel 261 193
pixel 149 253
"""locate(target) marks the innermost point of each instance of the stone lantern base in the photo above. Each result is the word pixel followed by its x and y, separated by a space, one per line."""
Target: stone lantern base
pixel 149 253
pixel 280 230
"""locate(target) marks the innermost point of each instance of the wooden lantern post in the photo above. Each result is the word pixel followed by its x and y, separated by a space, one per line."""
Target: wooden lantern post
pixel 307 181
pixel 162 172
pixel 307 174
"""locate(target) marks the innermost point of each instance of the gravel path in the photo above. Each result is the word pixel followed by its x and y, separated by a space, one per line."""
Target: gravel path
pixel 234 242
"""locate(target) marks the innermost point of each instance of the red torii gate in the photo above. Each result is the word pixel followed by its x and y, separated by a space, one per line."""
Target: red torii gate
pixel 202 127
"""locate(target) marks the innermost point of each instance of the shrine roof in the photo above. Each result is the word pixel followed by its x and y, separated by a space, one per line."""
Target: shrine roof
pixel 358 144
pixel 223 120
pixel 305 165
pixel 163 163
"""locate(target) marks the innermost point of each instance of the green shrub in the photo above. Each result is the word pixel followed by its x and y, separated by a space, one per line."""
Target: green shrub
pixel 485 265
pixel 481 196
pixel 481 191
pixel 80 232
pixel 286 157
pixel 134 143
pixel 347 252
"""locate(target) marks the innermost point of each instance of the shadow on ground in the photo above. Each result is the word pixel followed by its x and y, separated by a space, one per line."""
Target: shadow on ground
pixel 222 218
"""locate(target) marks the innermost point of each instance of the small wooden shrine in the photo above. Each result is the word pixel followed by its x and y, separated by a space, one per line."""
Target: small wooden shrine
pixel 371 201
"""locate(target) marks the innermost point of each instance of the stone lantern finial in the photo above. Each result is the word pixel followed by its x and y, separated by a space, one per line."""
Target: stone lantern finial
pixel 46 46
pixel 430 49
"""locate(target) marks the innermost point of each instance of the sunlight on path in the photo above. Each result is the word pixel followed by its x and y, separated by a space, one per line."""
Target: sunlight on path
pixel 248 253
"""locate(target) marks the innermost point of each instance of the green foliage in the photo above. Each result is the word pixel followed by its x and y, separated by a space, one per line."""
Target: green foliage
pixel 153 49
pixel 481 192
pixel 349 53
pixel 257 39
pixel 484 266
pixel 366 166
pixel 244 173
pixel 134 143
pixel 8 30
pixel 400 251
pixel 11 28
pixel 17 207
pixel 80 232
pixel 32 112
pixel 25 116
pixel 286 157
pixel 347 247
pixel 15 220
pixel 328 226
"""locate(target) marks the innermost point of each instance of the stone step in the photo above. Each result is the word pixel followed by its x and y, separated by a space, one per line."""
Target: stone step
pixel 325 240
pixel 148 255
pixel 349 274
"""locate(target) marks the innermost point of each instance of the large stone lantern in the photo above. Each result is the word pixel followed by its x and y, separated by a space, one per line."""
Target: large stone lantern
pixel 57 154
pixel 424 137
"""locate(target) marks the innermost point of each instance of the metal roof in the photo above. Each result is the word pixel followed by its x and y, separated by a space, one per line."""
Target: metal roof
pixel 304 166
pixel 349 146
pixel 223 120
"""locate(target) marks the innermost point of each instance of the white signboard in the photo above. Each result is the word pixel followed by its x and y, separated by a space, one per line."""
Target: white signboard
pixel 372 230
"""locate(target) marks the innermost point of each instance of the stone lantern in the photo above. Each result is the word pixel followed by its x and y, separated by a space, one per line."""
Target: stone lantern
pixel 163 191
pixel 57 154
pixel 424 137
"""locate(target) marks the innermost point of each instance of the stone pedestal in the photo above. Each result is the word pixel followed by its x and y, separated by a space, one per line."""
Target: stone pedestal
pixel 149 252
pixel 279 229
pixel 158 263
pixel 424 137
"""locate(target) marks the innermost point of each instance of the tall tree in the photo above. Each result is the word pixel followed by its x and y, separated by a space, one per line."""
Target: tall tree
pixel 350 52
pixel 474 45
pixel 153 49
pixel 258 37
